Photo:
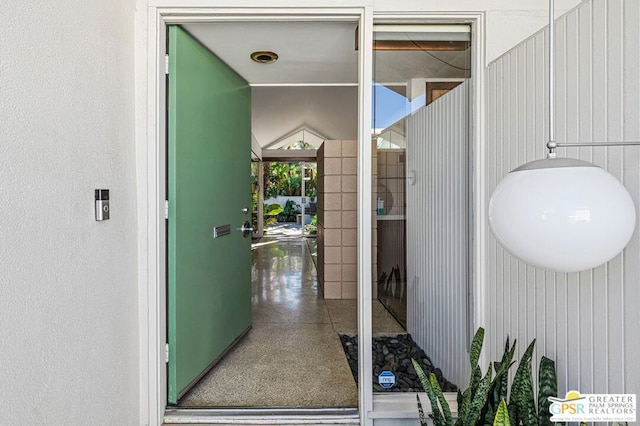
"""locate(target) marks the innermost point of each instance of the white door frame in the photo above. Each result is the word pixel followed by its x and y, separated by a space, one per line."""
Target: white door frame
pixel 151 24
pixel 152 174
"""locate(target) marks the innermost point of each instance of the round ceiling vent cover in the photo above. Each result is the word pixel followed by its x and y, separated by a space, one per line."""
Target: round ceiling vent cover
pixel 264 57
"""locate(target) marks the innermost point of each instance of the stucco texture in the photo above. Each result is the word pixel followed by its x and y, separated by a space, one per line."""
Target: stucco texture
pixel 68 289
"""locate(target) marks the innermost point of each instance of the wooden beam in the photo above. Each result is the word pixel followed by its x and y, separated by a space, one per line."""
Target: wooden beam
pixel 433 45
pixel 420 45
pixel 286 155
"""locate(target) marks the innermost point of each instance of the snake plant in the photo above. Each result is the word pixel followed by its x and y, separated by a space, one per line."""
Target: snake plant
pixel 484 402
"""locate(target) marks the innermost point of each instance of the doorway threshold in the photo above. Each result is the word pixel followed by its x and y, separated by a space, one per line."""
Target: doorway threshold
pixel 262 416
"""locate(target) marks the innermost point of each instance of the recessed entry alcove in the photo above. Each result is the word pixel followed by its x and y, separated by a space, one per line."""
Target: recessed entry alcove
pixel 294 111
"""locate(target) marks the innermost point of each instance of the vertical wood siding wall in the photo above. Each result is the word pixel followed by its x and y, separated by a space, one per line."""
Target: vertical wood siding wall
pixel 589 322
pixel 437 231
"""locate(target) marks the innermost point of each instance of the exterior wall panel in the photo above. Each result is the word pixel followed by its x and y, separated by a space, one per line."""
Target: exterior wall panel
pixel 588 321
pixel 437 231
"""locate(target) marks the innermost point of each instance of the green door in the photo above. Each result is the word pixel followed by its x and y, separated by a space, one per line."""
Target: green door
pixel 209 258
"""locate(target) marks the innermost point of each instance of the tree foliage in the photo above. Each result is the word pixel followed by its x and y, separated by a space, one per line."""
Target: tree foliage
pixel 285 179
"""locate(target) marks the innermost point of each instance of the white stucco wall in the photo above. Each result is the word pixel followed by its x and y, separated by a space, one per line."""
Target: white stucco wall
pixel 68 284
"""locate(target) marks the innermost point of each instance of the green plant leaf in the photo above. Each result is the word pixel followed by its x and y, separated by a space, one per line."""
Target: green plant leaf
pixel 436 415
pixel 272 209
pixel 446 411
pixel 476 376
pixel 476 346
pixel 499 387
pixel 476 373
pixel 502 415
pixel 522 407
pixel 500 383
pixel 507 357
pixel 479 400
pixel 547 386
pixel 464 399
pixel 459 399
pixel 464 404
pixel 423 420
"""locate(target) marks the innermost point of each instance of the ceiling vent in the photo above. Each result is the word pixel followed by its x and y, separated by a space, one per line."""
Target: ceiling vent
pixel 264 57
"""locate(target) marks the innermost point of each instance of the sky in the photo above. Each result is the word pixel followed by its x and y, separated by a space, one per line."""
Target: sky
pixel 389 106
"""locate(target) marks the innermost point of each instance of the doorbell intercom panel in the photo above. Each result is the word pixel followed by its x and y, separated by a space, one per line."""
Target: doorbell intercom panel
pixel 102 204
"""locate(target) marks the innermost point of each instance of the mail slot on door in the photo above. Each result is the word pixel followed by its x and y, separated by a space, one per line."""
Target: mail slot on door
pixel 221 231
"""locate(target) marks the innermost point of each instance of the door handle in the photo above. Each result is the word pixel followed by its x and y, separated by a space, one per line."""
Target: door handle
pixel 246 229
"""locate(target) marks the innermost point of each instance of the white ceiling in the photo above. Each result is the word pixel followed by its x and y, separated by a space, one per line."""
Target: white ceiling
pixel 308 52
pixel 331 112
pixel 312 56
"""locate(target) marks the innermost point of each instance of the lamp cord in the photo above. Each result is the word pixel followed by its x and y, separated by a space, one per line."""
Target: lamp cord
pixel 434 56
pixel 439 59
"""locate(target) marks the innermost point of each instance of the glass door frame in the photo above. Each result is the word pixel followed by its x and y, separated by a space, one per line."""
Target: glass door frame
pixel 381 403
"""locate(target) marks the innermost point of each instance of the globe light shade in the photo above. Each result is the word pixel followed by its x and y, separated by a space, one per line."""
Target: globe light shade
pixel 562 214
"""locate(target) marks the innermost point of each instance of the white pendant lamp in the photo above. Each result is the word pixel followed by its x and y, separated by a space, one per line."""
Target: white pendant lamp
pixel 562 214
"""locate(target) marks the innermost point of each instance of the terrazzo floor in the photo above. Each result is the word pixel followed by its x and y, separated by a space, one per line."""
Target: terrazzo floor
pixel 292 357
